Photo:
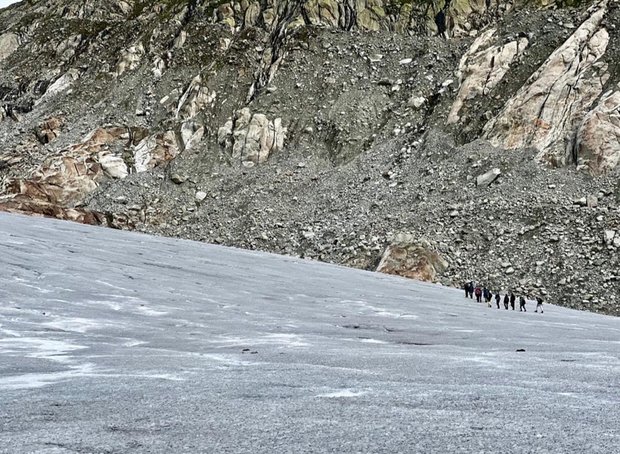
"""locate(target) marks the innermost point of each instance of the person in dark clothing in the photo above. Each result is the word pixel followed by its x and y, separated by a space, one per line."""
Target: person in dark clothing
pixel 478 292
pixel 539 302
pixel 513 298
pixel 497 299
pixel 487 296
pixel 466 287
pixel 506 301
pixel 522 304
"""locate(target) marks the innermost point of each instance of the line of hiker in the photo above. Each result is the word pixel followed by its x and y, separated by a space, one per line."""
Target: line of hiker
pixel 509 299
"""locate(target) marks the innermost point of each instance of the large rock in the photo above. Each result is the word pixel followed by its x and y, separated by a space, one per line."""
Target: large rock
pixel 63 83
pixel 547 111
pixel 61 181
pixel 195 98
pixel 9 43
pixel 252 138
pixel 370 17
pixel 410 258
pixel 489 177
pixel 155 150
pixel 482 67
pixel 191 134
pixel 49 129
pixel 130 59
pixel 322 12
pixel 24 205
pixel 113 166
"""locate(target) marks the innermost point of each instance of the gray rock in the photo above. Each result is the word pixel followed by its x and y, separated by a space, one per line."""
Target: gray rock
pixel 582 202
pixel 592 201
pixel 487 178
pixel 178 179
pixel 609 236
pixel 417 101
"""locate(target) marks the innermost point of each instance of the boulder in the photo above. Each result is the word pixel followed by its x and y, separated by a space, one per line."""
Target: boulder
pixel 9 43
pixel 113 166
pixel 591 201
pixel 49 129
pixel 179 41
pixel 417 101
pixel 609 236
pixel 411 258
pixel 155 150
pixel 582 202
pixel 195 99
pixel 487 178
pixel 178 179
pixel 63 83
pixel 252 138
pixel 129 59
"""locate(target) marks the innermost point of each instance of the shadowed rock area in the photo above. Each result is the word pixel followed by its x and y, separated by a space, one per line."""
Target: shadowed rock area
pixel 114 342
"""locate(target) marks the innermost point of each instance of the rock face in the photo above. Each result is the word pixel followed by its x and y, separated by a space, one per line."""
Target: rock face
pixel 598 137
pixel 413 259
pixel 482 67
pixel 252 138
pixel 547 111
pixel 67 179
pixel 319 128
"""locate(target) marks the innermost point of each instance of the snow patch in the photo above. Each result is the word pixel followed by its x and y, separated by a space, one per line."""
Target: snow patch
pixel 228 360
pixel 32 347
pixel 75 324
pixel 148 311
pixel 30 381
pixel 134 343
pixel 343 393
pixel 278 339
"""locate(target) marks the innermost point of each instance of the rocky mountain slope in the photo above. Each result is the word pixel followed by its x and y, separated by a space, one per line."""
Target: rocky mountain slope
pixel 442 140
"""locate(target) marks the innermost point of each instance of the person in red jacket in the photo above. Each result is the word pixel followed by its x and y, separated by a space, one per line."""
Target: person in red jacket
pixel 478 293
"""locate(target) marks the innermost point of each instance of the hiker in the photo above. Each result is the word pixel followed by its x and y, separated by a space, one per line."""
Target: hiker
pixel 469 289
pixel 497 299
pixel 513 298
pixel 539 302
pixel 506 301
pixel 487 295
pixel 522 304
pixel 478 292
